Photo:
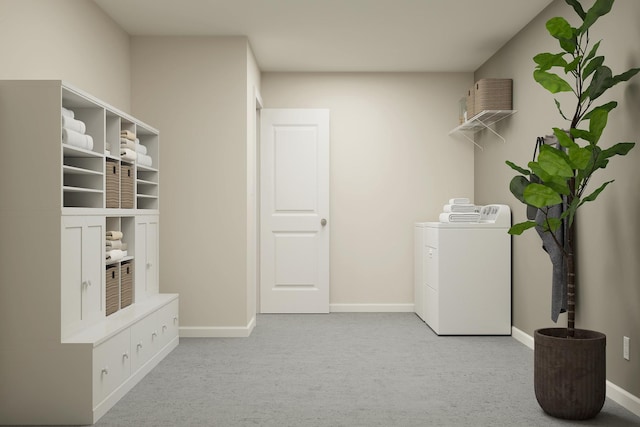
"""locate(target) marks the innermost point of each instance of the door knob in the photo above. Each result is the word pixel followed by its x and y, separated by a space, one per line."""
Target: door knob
pixel 323 222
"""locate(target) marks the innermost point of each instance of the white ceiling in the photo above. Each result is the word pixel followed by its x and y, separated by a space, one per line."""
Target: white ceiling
pixel 341 35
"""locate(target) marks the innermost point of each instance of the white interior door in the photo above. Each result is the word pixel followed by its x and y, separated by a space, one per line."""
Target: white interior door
pixel 294 211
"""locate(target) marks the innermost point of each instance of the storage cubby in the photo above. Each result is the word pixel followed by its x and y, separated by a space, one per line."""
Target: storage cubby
pixel 112 145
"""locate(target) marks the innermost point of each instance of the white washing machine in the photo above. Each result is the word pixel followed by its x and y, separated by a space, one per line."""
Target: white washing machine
pixel 463 274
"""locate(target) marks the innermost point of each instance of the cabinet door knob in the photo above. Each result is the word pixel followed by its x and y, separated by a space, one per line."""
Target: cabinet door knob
pixel 323 222
pixel 105 370
pixel 139 346
pixel 164 328
pixel 149 265
pixel 125 355
pixel 154 334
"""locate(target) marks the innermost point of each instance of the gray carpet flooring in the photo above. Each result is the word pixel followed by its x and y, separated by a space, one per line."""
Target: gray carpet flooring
pixel 344 369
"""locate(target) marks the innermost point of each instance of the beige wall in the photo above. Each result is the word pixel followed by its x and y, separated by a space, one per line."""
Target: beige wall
pixel 609 231
pixel 392 164
pixel 71 40
pixel 253 96
pixel 194 89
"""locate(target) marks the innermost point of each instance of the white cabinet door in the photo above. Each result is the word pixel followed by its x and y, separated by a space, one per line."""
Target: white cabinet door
pixel 83 280
pixel 146 257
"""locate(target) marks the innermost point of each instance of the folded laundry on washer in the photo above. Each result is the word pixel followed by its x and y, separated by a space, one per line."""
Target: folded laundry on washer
pixel 466 207
pixel 459 200
pixel 459 217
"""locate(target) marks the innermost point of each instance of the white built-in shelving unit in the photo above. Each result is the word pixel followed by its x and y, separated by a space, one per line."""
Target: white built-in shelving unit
pixel 79 330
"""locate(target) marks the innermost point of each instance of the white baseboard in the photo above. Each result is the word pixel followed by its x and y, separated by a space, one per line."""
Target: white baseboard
pixel 218 331
pixel 371 308
pixel 524 338
pixel 615 393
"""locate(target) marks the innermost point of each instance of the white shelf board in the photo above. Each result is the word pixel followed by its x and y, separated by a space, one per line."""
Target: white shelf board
pixel 73 170
pixel 69 189
pixel 483 120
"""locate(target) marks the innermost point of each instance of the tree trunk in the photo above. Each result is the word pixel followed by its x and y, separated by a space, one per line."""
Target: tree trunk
pixel 571 280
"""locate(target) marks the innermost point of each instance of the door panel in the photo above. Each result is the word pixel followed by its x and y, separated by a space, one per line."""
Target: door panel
pixel 294 256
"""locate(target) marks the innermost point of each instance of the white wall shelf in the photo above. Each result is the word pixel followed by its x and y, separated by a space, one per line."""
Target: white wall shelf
pixel 483 120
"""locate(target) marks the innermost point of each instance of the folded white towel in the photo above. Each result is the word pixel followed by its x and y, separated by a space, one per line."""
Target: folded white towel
pixel 128 134
pixel 114 235
pixel 68 113
pixel 467 207
pixel 114 244
pixel 73 124
pixel 459 200
pixel 142 149
pixel 127 154
pixel 459 217
pixel 127 143
pixel 144 160
pixel 77 139
pixel 114 255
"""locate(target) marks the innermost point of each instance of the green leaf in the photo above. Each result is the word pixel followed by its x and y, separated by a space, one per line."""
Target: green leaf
pixel 592 52
pixel 600 8
pixel 577 7
pixel 569 45
pixel 560 109
pixel 554 162
pixel 539 195
pixel 552 82
pixel 563 138
pixel 551 224
pixel 581 134
pixel 607 107
pixel 517 186
pixel 579 157
pixel 571 66
pixel 625 76
pixel 592 66
pixel 547 60
pixel 619 149
pixel 591 197
pixel 559 28
pixel 518 229
pixel 597 123
pixel 602 80
pixel 518 168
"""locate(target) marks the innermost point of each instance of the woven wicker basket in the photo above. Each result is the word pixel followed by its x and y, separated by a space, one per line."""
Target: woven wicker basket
pixel 470 103
pixel 113 183
pixel 112 294
pixel 126 284
pixel 493 94
pixel 126 186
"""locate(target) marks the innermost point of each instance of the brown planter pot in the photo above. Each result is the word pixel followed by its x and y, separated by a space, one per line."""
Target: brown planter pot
pixel 570 374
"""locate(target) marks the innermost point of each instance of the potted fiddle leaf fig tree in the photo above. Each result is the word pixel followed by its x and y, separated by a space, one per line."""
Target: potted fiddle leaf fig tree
pixel 554 187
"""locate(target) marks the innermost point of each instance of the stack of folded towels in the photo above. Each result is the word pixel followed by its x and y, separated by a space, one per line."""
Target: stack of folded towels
pixel 74 131
pixel 460 210
pixel 132 150
pixel 115 248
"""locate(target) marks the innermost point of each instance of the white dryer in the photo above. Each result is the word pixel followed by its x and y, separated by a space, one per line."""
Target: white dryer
pixel 463 274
